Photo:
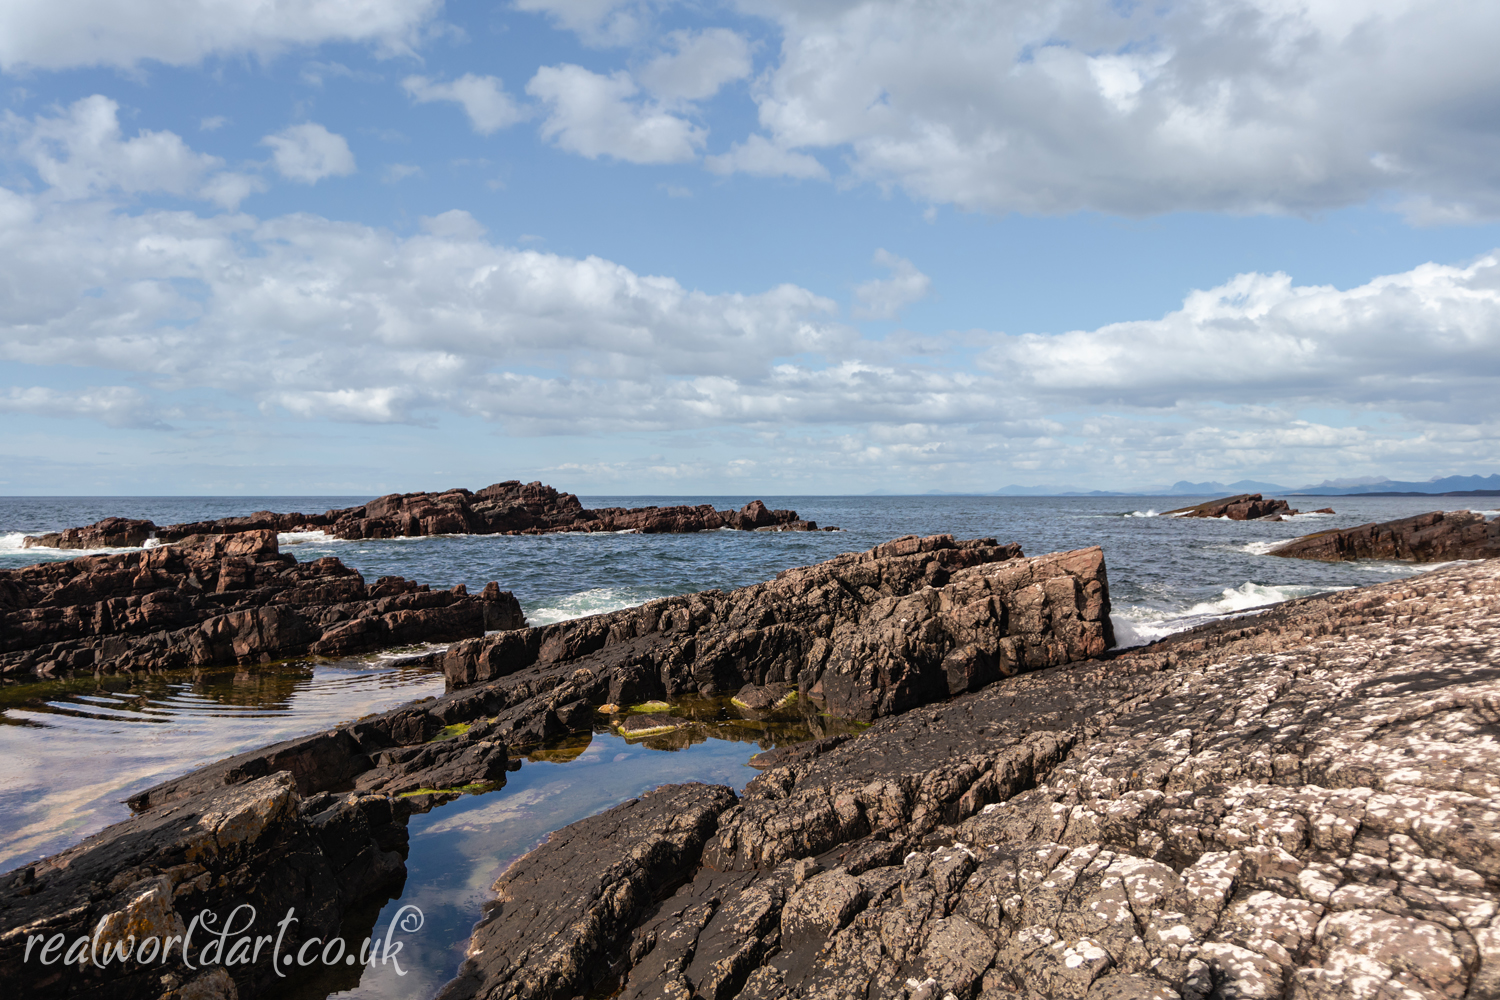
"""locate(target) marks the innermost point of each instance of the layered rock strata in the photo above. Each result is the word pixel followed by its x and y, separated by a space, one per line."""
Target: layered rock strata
pixel 508 508
pixel 1245 507
pixel 220 600
pixel 1302 805
pixel 864 635
pixel 1432 537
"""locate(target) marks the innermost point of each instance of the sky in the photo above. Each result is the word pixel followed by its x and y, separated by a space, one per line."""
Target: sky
pixel 766 247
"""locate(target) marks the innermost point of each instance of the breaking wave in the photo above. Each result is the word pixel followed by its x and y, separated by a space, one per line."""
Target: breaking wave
pixel 1139 626
pixel 1143 513
pixel 596 601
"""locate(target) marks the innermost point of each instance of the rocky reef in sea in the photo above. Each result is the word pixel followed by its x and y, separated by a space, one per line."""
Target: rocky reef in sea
pixel 1245 507
pixel 213 600
pixel 508 508
pixel 1433 537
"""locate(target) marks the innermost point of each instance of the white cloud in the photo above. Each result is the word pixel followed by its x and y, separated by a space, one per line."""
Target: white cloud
pixel 308 153
pixel 884 298
pixel 592 115
pixel 759 156
pixel 697 65
pixel 483 98
pixel 51 35
pixel 112 405
pixel 82 153
pixel 1212 105
pixel 597 22
pixel 213 123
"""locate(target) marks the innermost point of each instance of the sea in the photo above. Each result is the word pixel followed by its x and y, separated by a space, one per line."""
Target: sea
pixel 72 750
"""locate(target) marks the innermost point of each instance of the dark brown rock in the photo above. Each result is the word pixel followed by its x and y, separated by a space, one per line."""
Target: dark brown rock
pixel 220 599
pixel 260 844
pixel 508 508
pixel 860 636
pixel 1245 507
pixel 1433 537
pixel 1301 804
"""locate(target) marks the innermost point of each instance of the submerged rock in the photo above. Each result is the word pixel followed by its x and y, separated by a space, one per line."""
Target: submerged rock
pixel 1433 537
pixel 220 600
pixel 1304 804
pixel 1245 507
pixel 508 508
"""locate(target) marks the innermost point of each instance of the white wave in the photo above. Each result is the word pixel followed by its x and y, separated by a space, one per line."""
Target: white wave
pixel 1309 513
pixel 1261 548
pixel 1138 626
pixel 1143 513
pixel 596 601
pixel 303 537
pixel 14 541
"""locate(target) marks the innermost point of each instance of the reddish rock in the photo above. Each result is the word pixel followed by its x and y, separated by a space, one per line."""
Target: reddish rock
pixel 1245 507
pixel 1433 537
pixel 508 508
pixel 220 599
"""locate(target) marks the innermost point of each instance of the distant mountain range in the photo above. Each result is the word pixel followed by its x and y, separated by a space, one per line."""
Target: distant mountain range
pixel 1328 488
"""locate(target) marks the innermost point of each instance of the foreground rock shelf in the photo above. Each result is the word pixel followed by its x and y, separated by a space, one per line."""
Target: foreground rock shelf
pixel 212 600
pixel 1300 805
pixel 508 508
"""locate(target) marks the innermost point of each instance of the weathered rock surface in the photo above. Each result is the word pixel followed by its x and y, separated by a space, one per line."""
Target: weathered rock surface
pixel 260 843
pixel 1433 537
pixel 863 635
pixel 1245 507
pixel 508 508
pixel 223 599
pixel 1301 805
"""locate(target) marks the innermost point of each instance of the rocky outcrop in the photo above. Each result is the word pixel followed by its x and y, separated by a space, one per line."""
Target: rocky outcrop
pixel 1433 537
pixel 1302 805
pixel 219 600
pixel 508 508
pixel 1245 507
pixel 863 635
pixel 238 858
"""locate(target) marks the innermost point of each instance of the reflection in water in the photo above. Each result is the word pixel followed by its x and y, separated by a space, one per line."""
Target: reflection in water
pixel 459 849
pixel 72 750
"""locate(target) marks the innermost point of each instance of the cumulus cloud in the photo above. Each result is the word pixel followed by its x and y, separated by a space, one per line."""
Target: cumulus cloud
pixel 594 115
pixel 50 35
pixel 483 99
pixel 596 22
pixel 760 157
pixel 884 298
pixel 308 153
pixel 82 153
pixel 696 64
pixel 1216 105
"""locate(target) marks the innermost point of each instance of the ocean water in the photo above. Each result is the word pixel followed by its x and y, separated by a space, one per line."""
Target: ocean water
pixel 72 750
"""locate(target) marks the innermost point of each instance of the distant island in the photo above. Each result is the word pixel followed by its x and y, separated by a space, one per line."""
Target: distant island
pixel 1368 486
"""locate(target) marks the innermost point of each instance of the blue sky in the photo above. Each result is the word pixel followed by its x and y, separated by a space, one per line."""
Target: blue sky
pixel 353 246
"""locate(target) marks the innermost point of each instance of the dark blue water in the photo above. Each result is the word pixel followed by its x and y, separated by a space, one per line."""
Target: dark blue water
pixel 71 750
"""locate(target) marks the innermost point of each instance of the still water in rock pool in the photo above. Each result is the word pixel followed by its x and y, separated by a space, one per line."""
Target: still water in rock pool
pixel 71 750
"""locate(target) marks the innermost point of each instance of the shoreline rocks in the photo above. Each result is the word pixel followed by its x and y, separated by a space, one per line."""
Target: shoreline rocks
pixel 220 600
pixel 324 814
pixel 508 508
pixel 1304 804
pixel 1433 537
pixel 1245 507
